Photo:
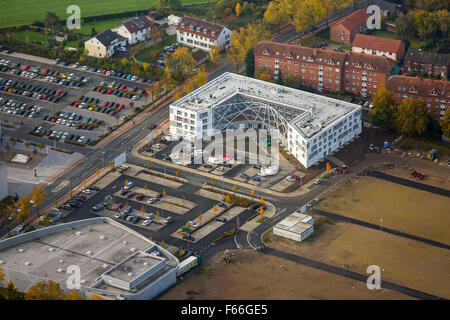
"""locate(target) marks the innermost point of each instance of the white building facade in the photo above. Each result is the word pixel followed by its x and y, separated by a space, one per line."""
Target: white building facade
pixel 135 30
pixel 311 126
pixel 202 34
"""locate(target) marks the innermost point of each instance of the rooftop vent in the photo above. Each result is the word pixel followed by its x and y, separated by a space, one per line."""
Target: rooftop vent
pixel 105 266
pixel 78 233
pixel 124 242
pixel 102 237
pixel 27 263
pixel 2 262
pixel 90 228
pixel 51 249
pixel 21 250
pixel 60 270
pixel 89 252
pixel 133 249
pixel 61 261
pixel 145 264
pixel 130 274
pixel 83 281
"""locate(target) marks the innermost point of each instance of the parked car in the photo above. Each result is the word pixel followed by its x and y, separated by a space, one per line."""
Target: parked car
pixel 318 181
pixel 147 222
pixel 129 185
pixel 221 219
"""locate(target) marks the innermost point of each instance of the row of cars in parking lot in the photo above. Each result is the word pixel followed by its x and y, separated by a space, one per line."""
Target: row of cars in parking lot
pixel 11 106
pixel 93 104
pixel 119 90
pixel 30 90
pixel 28 71
pixel 106 72
pixel 60 135
pixel 73 120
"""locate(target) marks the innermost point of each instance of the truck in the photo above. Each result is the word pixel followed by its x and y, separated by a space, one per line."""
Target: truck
pixel 188 264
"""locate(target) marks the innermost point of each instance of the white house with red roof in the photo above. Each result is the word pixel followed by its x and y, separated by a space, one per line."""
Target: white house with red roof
pixel 202 34
pixel 135 30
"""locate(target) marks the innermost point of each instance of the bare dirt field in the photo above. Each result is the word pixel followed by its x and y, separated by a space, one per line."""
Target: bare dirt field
pixel 403 261
pixel 402 208
pixel 253 275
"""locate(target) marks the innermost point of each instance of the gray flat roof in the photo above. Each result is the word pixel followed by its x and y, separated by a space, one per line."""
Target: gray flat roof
pixel 95 248
pixel 294 223
pixel 316 110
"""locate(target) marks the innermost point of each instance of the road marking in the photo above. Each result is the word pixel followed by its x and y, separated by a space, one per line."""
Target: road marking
pixel 60 186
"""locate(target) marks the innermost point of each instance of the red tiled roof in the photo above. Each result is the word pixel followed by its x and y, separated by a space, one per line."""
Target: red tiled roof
pixel 206 30
pixel 322 56
pixel 354 20
pixel 377 43
pixel 288 51
pixel 138 24
pixel 378 63
pixel 424 87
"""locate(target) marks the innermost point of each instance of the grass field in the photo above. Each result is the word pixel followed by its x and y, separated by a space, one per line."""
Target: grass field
pixel 402 261
pixel 28 11
pixel 252 275
pixel 100 26
pixel 32 36
pixel 402 208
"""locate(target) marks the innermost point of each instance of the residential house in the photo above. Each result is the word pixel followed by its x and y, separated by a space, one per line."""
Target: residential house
pixel 61 37
pixel 135 30
pixel 202 34
pixel 173 20
pixel 104 44
pixel 345 29
pixel 324 70
pixel 435 93
pixel 391 48
pixel 436 64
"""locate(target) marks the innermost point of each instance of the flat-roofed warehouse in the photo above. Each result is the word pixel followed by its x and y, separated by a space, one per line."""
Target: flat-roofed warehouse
pixel 311 126
pixel 115 262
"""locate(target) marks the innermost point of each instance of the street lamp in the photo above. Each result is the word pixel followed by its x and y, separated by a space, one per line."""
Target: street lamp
pixel 381 224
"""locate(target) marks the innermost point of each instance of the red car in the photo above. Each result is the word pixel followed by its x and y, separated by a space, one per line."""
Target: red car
pixel 109 91
pixel 26 67
pixel 140 197
pixel 125 95
pixel 46 70
pixel 118 206
pixel 76 104
pixel 294 176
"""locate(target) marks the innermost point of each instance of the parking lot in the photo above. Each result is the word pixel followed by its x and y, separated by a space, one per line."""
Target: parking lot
pixel 57 102
pixel 173 215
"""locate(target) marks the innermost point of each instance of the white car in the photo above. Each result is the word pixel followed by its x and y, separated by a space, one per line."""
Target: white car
pixel 156 146
pixel 290 178
pixel 147 222
pixel 128 186
pixel 151 200
pixel 87 191
pixel 193 224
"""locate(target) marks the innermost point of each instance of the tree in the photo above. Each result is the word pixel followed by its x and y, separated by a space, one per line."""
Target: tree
pixel 24 208
pixel 262 74
pixel 213 181
pixel 124 61
pixel 164 193
pixel 384 104
pixel 167 81
pixel 153 90
pixel 228 199
pixel 411 117
pixel 214 53
pixel 51 21
pixel 341 4
pixel 276 14
pixel 261 201
pixel 309 13
pixel 156 33
pixel 95 297
pixel 11 292
pixel 2 275
pixel 201 77
pixel 145 66
pixel 177 173
pixel 250 63
pixel 45 290
pixel 233 54
pixel 235 188
pixel 163 3
pixel 93 32
pixel 445 124
pixel 328 6
pixel 72 295
pixel 38 196
pixel 182 61
pixel 189 86
pixel 238 9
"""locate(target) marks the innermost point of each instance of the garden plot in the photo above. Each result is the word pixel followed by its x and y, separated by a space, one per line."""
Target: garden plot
pixel 211 195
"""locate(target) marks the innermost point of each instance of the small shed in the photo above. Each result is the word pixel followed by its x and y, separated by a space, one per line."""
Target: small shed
pixel 297 226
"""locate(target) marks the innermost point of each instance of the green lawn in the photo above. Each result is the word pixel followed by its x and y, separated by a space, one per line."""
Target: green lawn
pixel 28 11
pixel 32 36
pixel 145 54
pixel 100 26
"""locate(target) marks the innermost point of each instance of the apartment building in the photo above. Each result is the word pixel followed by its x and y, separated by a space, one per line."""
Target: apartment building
pixel 391 48
pixel 345 29
pixel 435 93
pixel 324 70
pixel 202 34
pixel 436 64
